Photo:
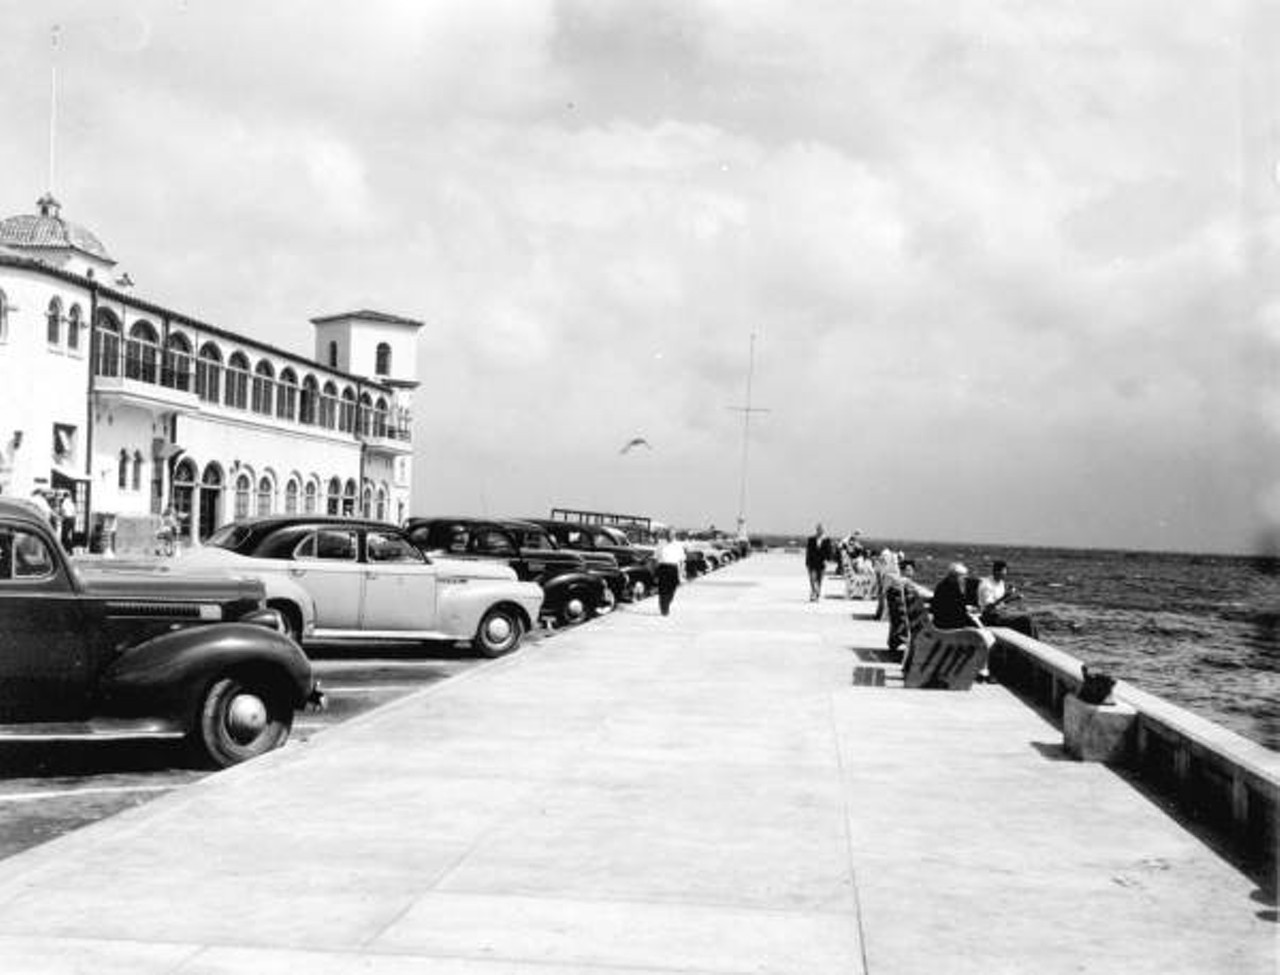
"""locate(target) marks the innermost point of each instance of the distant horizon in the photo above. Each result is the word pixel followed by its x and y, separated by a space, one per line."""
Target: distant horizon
pixel 901 543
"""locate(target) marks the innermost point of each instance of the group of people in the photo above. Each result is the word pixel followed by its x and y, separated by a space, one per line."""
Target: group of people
pixel 958 601
pixel 60 508
pixel 957 604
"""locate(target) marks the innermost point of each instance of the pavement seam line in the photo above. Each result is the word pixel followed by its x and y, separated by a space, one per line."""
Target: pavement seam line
pixel 848 834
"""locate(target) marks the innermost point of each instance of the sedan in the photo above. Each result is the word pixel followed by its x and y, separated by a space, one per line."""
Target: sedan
pixel 370 583
pixel 130 654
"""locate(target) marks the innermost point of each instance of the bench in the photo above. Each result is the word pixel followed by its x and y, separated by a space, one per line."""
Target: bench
pixel 857 585
pixel 895 606
pixel 946 659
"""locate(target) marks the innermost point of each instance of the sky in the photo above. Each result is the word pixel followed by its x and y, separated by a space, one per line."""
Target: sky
pixel 1010 267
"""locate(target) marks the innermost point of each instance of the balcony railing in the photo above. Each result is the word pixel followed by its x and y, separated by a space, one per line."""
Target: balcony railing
pixel 216 384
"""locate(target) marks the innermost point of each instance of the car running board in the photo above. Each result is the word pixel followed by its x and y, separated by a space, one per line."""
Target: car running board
pixel 99 729
pixel 380 636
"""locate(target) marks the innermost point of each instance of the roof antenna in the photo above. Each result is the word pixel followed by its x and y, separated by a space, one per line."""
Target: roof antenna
pixel 53 99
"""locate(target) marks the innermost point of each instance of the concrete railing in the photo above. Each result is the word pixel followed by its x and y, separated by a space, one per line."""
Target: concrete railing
pixel 1214 774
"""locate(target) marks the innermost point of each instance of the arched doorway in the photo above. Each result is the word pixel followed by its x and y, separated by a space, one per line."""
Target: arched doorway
pixel 184 492
pixel 210 500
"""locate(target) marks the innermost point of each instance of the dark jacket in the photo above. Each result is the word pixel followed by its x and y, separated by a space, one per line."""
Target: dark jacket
pixel 948 606
pixel 817 551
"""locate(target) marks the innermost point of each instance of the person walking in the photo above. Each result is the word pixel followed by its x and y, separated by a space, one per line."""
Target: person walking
pixel 671 557
pixel 817 550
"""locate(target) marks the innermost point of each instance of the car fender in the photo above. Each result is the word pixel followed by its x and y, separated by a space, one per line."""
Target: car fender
pixel 559 589
pixel 280 589
pixel 167 675
pixel 462 602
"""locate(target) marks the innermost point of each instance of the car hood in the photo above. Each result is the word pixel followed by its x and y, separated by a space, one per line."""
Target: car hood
pixel 139 581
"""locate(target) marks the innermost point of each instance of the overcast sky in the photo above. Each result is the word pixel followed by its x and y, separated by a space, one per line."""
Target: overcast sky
pixel 1010 266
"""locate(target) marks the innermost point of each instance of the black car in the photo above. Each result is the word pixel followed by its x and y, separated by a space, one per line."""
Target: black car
pixel 599 542
pixel 139 654
pixel 535 532
pixel 571 592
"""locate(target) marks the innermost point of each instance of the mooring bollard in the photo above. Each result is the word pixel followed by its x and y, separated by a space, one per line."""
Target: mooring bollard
pixel 1098 732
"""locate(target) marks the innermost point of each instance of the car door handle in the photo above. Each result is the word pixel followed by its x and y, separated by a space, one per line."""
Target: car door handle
pixel 297 573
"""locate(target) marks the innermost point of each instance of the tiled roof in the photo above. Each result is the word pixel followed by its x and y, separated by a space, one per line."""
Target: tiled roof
pixel 47 229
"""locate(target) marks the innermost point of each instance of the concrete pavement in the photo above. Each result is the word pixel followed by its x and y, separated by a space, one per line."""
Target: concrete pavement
pixel 704 793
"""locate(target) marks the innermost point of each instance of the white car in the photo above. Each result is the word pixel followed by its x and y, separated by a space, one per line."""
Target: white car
pixel 369 583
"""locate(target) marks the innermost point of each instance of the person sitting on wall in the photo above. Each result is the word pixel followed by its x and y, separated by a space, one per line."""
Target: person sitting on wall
pixel 948 607
pixel 993 593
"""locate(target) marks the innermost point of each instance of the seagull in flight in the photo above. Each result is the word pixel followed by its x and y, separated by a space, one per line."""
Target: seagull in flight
pixel 635 442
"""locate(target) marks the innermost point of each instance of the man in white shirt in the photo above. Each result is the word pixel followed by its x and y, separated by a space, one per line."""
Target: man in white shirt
pixel 671 557
pixel 993 593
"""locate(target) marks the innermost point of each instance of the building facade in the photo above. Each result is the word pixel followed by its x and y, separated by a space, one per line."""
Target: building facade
pixel 135 410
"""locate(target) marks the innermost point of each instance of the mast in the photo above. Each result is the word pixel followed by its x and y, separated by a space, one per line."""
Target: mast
pixel 746 412
pixel 53 101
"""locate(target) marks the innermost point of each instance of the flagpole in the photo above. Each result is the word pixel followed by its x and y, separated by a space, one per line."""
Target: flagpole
pixel 746 412
pixel 53 101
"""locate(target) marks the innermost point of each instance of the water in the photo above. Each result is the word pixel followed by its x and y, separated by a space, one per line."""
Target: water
pixel 1198 630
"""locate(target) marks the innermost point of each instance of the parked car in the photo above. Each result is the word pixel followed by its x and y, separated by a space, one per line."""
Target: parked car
pixel 370 583
pixel 135 654
pixel 637 561
pixel 595 543
pixel 571 593
pixel 598 564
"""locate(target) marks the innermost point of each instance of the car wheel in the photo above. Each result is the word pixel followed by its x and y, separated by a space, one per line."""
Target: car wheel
pixel 240 719
pixel 607 603
pixel 499 632
pixel 575 609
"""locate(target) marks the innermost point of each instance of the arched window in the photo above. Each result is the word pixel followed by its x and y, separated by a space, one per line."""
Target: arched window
pixel 107 342
pixel 137 470
pixel 349 499
pixel 175 370
pixel 366 501
pixel 53 320
pixel 309 501
pixel 333 355
pixel 243 487
pixel 380 417
pixel 263 382
pixel 237 394
pixel 122 471
pixel 347 415
pixel 266 491
pixel 381 511
pixel 209 373
pixel 74 322
pixel 333 502
pixel 382 364
pixel 291 497
pixel 364 415
pixel 287 395
pixel 329 406
pixel 309 402
pixel 141 353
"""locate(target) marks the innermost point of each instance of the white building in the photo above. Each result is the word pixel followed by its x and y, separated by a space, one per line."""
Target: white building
pixel 134 408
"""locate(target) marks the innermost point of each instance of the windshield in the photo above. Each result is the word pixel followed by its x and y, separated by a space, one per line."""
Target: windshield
pixel 230 537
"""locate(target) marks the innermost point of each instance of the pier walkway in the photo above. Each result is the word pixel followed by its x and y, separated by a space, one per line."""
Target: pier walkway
pixel 704 793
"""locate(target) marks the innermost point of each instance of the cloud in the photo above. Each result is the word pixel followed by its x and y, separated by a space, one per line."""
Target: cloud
pixel 985 249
